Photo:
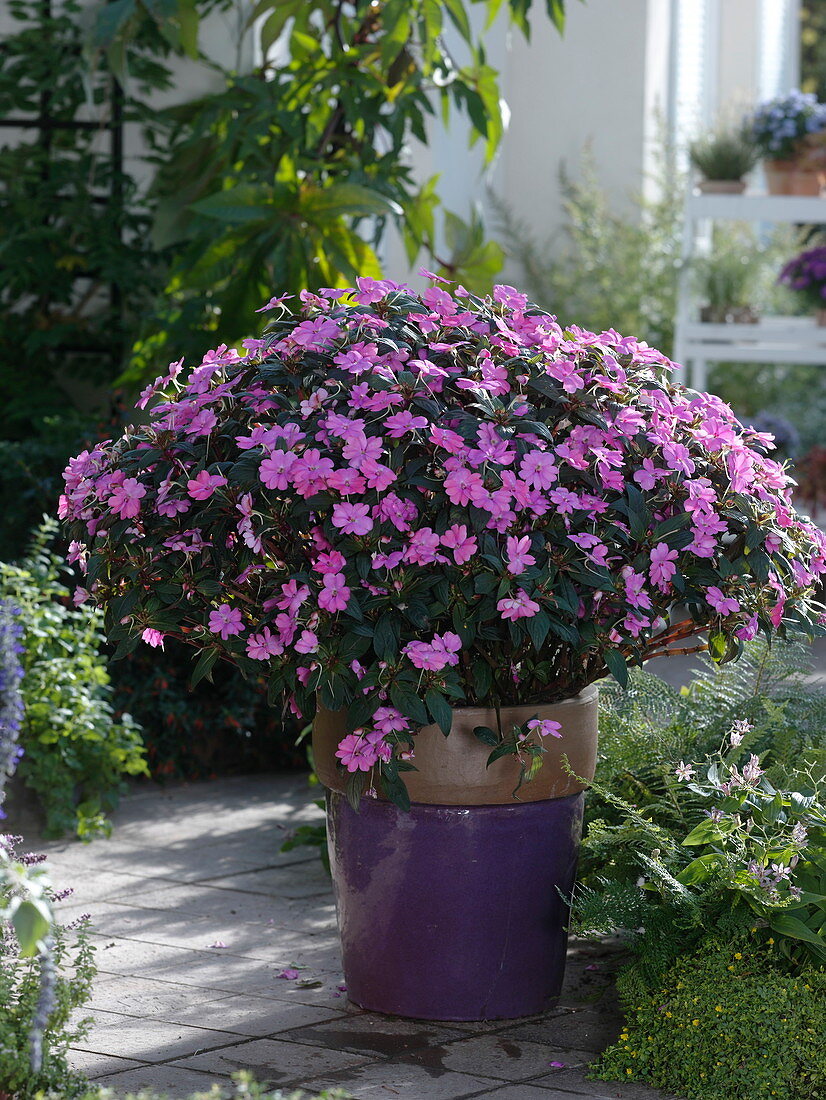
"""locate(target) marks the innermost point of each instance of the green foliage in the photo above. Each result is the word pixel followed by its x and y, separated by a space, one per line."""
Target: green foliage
pixel 25 900
pixel 644 729
pixel 727 277
pixel 289 175
pixel 617 269
pixel 40 996
pixel 75 753
pixel 224 727
pixel 727 1022
pixel 813 48
pixel 30 474
pixel 75 266
pixel 680 860
pixel 724 153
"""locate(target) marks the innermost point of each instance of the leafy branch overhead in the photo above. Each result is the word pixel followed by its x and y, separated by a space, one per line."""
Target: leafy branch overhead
pixel 289 174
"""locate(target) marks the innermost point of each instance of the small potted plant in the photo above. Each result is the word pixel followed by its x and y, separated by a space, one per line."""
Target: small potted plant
pixel 723 157
pixel 806 276
pixel 435 521
pixel 785 130
pixel 725 279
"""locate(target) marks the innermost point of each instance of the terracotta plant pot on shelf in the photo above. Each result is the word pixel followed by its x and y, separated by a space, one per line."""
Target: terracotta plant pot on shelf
pixel 807 181
pixel 455 910
pixel 779 176
pixel 793 177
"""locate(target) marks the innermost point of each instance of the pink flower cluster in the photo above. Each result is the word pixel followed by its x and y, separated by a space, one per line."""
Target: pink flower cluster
pixel 386 483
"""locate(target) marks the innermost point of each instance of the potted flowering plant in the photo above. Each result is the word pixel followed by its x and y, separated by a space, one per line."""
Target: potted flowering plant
pixel 436 521
pixel 806 276
pixel 787 131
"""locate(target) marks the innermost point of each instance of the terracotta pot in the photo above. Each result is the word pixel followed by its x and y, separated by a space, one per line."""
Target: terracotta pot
pixel 456 909
pixel 452 771
pixel 779 176
pixel 722 187
pixel 806 181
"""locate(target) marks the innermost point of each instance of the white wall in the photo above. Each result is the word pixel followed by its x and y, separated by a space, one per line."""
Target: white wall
pixel 593 86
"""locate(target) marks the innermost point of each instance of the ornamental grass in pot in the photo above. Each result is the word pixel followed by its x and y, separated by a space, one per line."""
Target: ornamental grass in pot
pixel 435 521
pixel 723 157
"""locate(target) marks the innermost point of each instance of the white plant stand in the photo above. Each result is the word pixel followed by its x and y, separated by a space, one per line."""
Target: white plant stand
pixel 770 340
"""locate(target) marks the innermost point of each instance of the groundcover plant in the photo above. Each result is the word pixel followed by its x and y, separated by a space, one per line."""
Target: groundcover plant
pixel 397 503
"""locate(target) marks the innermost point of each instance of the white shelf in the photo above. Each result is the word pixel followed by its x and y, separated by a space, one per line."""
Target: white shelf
pixel 770 340
pixel 756 208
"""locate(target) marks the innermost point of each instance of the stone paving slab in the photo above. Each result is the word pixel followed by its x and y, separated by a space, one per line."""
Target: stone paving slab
pixel 274 1061
pixel 382 1081
pixel 191 866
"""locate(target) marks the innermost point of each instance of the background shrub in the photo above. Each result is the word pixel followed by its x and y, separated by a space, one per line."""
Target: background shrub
pixel 728 1021
pixel 75 752
pixel 223 727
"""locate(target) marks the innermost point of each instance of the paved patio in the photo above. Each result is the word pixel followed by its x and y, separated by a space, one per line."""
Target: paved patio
pixel 197 913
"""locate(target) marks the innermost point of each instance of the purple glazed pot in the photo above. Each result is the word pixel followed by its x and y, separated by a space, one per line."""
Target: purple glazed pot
pixel 454 912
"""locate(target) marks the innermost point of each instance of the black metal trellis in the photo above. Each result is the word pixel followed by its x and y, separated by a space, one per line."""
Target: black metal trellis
pixel 47 125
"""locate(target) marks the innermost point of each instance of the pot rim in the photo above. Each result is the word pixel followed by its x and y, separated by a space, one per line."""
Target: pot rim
pixel 583 698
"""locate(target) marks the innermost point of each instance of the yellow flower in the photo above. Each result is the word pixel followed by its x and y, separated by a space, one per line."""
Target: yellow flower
pixel 770 940
pixel 739 954
pixel 695 1022
pixel 718 1008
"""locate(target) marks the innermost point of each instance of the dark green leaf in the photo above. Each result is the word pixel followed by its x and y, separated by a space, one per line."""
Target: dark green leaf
pixel 440 710
pixel 617 666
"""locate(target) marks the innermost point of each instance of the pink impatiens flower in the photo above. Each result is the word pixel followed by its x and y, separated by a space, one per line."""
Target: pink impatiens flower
pixel 275 469
pixel 125 498
pixel 545 727
pixel 401 423
pixel 648 476
pixel 334 594
pixel 204 484
pixel 678 458
pixel 153 637
pixel 635 591
pixel 293 595
pixel 518 554
pixel 662 567
pixel 356 753
pixel 424 547
pixel 518 606
pixel 538 469
pixel 260 647
pixel 463 545
pixel 307 642
pixel 330 561
pixel 353 519
pixel 226 621
pixel 437 654
pixel 725 605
